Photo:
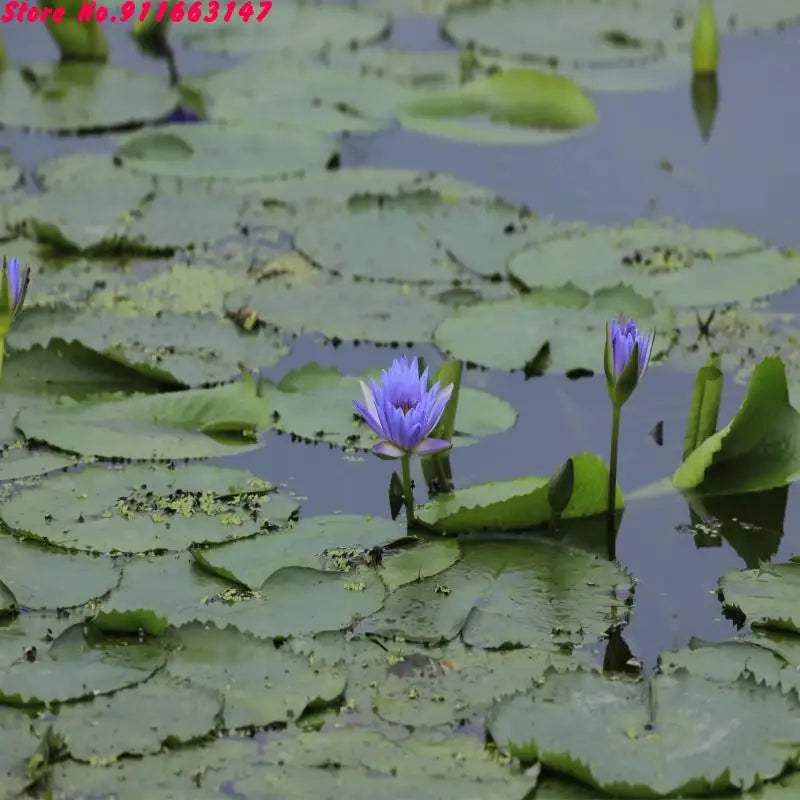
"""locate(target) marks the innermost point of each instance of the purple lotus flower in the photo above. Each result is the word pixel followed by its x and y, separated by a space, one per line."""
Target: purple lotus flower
pixel 403 411
pixel 14 286
pixel 623 337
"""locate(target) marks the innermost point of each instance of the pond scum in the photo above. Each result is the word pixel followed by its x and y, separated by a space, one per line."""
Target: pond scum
pixel 171 624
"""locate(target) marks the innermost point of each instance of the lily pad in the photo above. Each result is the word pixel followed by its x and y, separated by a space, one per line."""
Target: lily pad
pixel 208 151
pixel 293 601
pixel 74 669
pixel 422 561
pixel 520 503
pixel 180 289
pixel 17 745
pixel 261 684
pixel 672 265
pixel 298 767
pixel 417 238
pixel 172 349
pixel 767 597
pixel 80 97
pixel 343 309
pixel 536 107
pixel 312 97
pixel 679 735
pixel 45 578
pixel 141 508
pixel 316 404
pixel 559 330
pixel 502 593
pixel 188 424
pixel 290 27
pixel 137 721
pixel 606 33
pixel 758 449
pixel 327 542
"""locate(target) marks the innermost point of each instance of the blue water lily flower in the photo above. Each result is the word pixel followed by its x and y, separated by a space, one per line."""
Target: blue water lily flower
pixel 13 287
pixel 626 358
pixel 403 411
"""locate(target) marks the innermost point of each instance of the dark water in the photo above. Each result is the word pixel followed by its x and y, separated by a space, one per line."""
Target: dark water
pixel 746 176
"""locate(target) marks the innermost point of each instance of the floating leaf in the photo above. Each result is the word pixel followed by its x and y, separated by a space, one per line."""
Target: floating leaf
pixel 137 721
pixel 532 102
pixel 343 309
pixel 681 734
pixel 142 508
pixel 338 542
pixel 225 152
pixel 173 349
pixel 543 331
pixel 531 593
pixel 74 669
pixel 758 449
pixel 415 563
pixel 293 601
pixel 80 97
pixel 156 427
pixel 261 684
pixel 767 597
pixel 44 578
pixel 520 503
pixel 672 265
pixel 305 27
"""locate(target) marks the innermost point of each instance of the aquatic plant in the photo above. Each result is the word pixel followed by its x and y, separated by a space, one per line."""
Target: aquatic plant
pixel 403 411
pixel 627 355
pixel 13 288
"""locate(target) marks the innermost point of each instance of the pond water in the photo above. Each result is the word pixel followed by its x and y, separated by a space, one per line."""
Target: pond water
pixel 643 159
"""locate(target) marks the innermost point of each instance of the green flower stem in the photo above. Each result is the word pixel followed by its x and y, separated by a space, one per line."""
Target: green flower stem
pixel 612 478
pixel 408 495
pixel 2 353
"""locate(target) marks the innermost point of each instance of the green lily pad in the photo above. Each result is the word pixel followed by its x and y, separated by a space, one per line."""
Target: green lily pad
pixel 312 97
pixel 678 735
pixel 767 597
pixel 343 309
pixel 80 97
pixel 298 767
pixel 137 721
pixel 422 561
pixel 327 542
pixel 175 349
pixel 293 601
pixel 180 289
pixel 43 578
pixel 74 669
pixel 440 691
pixel 289 28
pixel 17 745
pixel 502 593
pixel 316 404
pixel 758 449
pixel 208 151
pixel 606 33
pixel 725 661
pixel 520 503
pixel 196 423
pixel 261 685
pixel 141 508
pixel 536 107
pixel 418 238
pixel 559 330
pixel 671 264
